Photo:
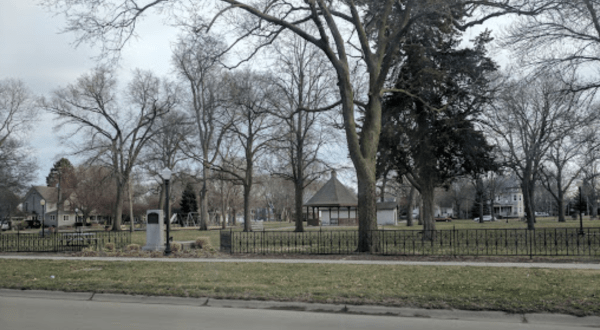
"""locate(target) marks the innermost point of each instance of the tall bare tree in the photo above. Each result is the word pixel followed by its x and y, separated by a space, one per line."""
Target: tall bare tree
pixel 305 82
pixel 110 131
pixel 197 61
pixel 251 131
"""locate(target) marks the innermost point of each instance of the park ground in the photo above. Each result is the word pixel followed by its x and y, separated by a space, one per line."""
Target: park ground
pixel 443 286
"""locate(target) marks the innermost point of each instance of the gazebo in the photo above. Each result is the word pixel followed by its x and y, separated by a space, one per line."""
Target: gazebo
pixel 337 201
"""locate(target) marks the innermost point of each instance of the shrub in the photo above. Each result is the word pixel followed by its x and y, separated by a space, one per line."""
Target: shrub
pixel 202 243
pixel 109 247
pixel 22 225
pixel 175 247
pixel 132 247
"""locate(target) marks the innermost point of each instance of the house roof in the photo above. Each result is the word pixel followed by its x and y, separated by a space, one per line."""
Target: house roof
pixel 387 205
pixel 333 193
pixel 47 193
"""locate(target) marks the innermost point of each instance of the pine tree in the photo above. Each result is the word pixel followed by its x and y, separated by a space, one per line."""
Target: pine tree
pixel 188 200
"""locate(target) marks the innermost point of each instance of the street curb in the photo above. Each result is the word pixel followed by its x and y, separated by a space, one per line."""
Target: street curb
pixel 439 314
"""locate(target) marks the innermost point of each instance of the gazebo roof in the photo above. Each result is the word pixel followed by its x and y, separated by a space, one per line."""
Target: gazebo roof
pixel 333 193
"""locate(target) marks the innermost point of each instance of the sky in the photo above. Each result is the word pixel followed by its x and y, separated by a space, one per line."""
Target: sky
pixel 33 49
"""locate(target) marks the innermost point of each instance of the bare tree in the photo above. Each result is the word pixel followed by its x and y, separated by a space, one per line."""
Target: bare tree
pixel 559 170
pixel 563 35
pixel 252 96
pixel 92 190
pixel 17 167
pixel 196 58
pixel 528 119
pixel 305 82
pixel 165 149
pixel 111 132
pixel 16 109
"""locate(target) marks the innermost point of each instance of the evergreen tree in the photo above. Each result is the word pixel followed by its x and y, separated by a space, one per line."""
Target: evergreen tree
pixel 428 132
pixel 188 200
pixel 62 171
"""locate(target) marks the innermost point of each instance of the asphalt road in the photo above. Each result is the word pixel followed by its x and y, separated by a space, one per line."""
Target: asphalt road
pixel 47 310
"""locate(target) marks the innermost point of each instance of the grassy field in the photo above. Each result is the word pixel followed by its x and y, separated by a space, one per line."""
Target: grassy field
pixel 513 290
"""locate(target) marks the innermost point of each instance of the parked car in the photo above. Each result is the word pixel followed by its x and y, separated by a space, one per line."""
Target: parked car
pixel 485 218
pixel 542 214
pixel 443 219
pixel 4 225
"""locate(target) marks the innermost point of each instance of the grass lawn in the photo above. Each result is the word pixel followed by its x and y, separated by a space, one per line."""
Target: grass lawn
pixel 515 290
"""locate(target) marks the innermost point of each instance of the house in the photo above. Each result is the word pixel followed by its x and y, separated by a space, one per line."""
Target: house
pixel 509 202
pixel 48 213
pixel 335 204
pixel 387 213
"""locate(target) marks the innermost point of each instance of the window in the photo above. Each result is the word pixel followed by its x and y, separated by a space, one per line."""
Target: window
pixel 519 197
pixel 52 217
pixel 66 218
pixel 515 197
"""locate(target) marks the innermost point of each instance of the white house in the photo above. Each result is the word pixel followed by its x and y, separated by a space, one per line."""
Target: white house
pixel 48 213
pixel 509 202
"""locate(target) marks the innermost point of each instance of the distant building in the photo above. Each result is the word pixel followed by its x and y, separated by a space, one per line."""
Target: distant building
pixel 334 204
pixel 509 201
pixel 49 213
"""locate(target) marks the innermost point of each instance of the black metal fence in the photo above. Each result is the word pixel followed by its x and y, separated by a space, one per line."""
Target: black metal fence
pixel 456 242
pixel 62 242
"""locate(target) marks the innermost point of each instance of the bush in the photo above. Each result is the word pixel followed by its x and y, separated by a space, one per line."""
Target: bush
pixel 21 225
pixel 109 247
pixel 175 247
pixel 132 247
pixel 202 243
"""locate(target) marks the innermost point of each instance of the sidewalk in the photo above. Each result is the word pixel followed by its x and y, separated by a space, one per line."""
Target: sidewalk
pixel 589 266
pixel 439 314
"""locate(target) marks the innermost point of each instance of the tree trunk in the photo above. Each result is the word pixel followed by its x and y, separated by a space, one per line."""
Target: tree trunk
pixel 527 203
pixel 427 197
pixel 367 212
pixel 118 210
pixel 203 203
pixel 247 220
pixel 130 205
pixel 234 217
pixel 411 207
pixel 561 205
pixel 298 194
pixel 420 219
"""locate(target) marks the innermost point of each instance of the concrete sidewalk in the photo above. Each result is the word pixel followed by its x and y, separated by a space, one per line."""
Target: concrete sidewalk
pixel 446 314
pixel 590 266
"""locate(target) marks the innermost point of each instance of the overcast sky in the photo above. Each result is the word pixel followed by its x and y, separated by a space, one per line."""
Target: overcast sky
pixel 33 49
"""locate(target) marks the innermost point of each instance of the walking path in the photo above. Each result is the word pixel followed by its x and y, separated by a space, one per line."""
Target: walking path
pixel 322 261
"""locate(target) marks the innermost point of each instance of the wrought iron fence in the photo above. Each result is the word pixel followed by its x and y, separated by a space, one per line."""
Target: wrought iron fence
pixel 61 242
pixel 456 242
